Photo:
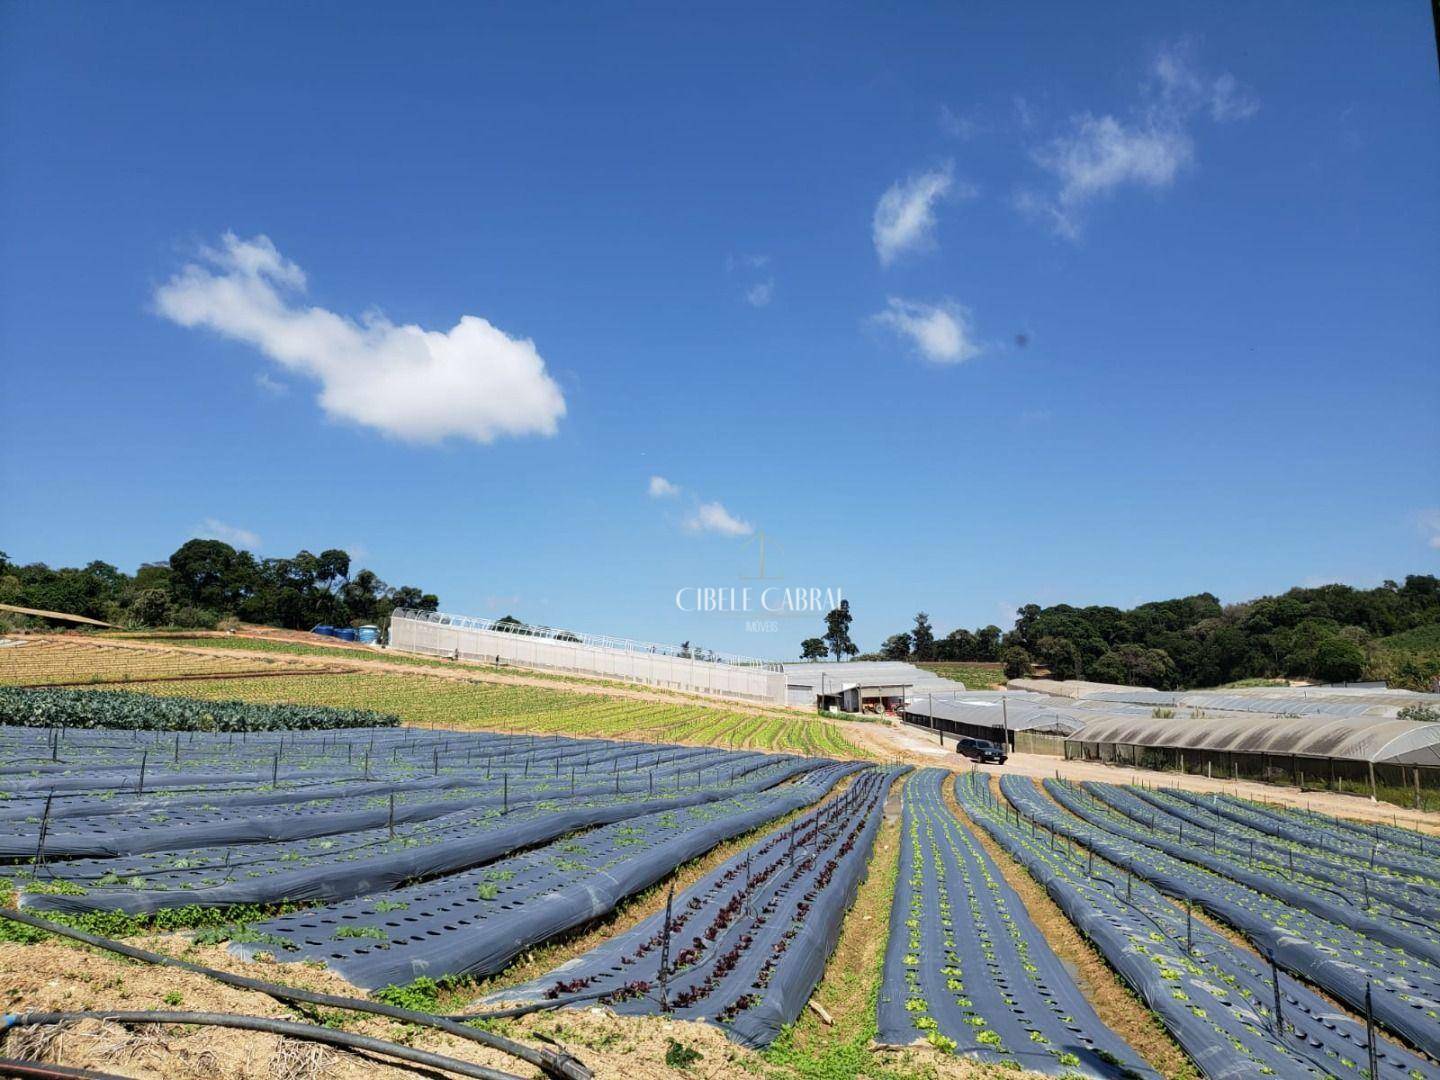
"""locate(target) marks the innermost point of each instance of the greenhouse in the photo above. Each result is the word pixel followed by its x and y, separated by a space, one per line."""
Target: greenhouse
pixel 1398 760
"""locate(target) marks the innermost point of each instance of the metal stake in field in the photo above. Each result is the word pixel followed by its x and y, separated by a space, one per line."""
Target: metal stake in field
pixel 1275 985
pixel 1370 1031
pixel 44 828
pixel 392 815
pixel 664 973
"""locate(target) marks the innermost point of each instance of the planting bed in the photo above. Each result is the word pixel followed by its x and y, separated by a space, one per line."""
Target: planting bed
pixel 1371 898
pixel 967 970
pixel 475 922
pixel 1216 998
pixel 747 943
pixel 1339 960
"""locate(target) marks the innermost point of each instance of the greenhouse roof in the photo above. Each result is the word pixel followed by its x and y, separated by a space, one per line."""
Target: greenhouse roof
pixel 1356 738
pixel 1020 712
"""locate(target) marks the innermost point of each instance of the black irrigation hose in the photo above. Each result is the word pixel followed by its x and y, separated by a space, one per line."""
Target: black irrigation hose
pixel 288 1028
pixel 561 1066
pixel 44 1070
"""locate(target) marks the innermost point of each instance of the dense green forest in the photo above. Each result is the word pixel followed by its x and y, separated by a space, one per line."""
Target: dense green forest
pixel 208 581
pixel 1333 633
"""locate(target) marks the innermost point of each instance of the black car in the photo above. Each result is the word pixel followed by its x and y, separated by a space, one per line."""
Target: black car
pixel 981 750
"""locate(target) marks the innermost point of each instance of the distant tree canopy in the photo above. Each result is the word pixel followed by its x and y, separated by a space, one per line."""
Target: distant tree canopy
pixel 205 581
pixel 1323 633
pixel 1327 633
pixel 813 648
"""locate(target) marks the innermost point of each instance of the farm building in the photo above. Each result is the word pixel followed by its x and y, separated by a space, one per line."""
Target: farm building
pixel 879 687
pixel 993 715
pixel 465 637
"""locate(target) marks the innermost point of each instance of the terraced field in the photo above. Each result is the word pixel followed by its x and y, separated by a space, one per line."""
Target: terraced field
pixel 427 702
pixel 499 821
pixel 86 662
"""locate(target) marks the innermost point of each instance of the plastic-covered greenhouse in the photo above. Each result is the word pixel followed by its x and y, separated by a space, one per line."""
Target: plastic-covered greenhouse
pixel 1375 755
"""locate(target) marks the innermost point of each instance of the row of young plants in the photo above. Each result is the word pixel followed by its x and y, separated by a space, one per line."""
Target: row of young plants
pixel 474 922
pixel 1217 999
pixel 1390 847
pixel 1373 899
pixel 220 848
pixel 744 946
pixel 966 968
pixel 420 700
pixel 496 772
pixel 57 708
pixel 1344 963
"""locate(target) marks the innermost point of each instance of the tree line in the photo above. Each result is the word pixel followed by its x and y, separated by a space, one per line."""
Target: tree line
pixel 207 581
pixel 1330 633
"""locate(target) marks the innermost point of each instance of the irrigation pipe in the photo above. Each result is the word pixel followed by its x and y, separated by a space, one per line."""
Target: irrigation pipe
pixel 44 1070
pixel 561 1066
pixel 288 1028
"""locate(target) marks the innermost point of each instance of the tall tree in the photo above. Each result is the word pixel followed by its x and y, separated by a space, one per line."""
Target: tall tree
pixel 837 631
pixel 922 638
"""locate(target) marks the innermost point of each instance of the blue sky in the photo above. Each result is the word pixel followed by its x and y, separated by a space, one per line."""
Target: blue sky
pixel 962 306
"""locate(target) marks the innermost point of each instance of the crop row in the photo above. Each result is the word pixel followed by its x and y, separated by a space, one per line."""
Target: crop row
pixel 1375 900
pixel 744 946
pixel 425 701
pixel 474 922
pixel 1340 960
pixel 967 970
pixel 1216 998
pixel 50 708
pixel 51 663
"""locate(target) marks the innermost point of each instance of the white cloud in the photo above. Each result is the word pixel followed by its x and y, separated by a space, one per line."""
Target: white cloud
pixel 1101 153
pixel 1184 88
pixel 215 529
pixel 472 382
pixel 271 386
pixel 939 332
pixel 712 517
pixel 759 295
pixel 660 488
pixel 1229 101
pixel 1430 523
pixel 1147 148
pixel 905 215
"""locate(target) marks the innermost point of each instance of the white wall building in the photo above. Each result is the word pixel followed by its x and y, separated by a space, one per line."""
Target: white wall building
pixel 434 633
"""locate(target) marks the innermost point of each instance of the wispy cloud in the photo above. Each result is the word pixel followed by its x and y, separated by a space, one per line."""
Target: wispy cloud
pixel 714 518
pixel 271 386
pixel 959 125
pixel 759 288
pixel 1146 148
pixel 660 488
pixel 761 293
pixel 904 218
pixel 938 332
pixel 1185 88
pixel 471 382
pixel 215 529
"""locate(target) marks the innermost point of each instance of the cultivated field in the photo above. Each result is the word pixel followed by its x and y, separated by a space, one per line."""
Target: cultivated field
pixel 449 843
pixel 82 662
